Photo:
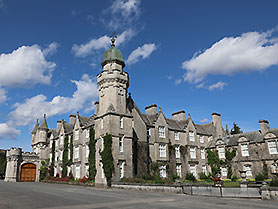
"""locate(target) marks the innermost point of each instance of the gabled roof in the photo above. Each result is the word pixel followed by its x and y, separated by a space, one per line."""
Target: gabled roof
pixel 83 120
pixel 173 124
pixel 90 121
pixel 203 130
pixel 68 127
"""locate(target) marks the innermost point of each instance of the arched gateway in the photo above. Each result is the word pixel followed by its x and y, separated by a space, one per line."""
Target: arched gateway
pixel 28 172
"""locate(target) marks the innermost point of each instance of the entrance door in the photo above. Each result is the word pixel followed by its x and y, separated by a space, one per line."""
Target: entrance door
pixel 28 172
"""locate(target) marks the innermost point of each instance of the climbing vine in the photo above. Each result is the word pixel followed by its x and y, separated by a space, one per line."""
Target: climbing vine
pixel 107 158
pixel 215 163
pixel 92 154
pixel 65 157
pixel 53 158
pixel 71 151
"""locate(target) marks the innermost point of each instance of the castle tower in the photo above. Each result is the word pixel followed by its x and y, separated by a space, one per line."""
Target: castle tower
pixel 111 115
pixel 39 138
pixel 13 162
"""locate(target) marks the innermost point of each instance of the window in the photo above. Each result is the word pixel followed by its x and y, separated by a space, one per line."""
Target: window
pixel 77 172
pixel 274 168
pixel 202 139
pixel 221 152
pixel 161 131
pixel 192 169
pixel 272 147
pixel 61 155
pixel 192 153
pixel 55 171
pixel 244 150
pixel 76 152
pixel 191 136
pixel 203 154
pixel 178 153
pixel 87 134
pixel 248 170
pixel 62 140
pixel 50 144
pixel 121 144
pixel 178 169
pixel 101 123
pixel 50 157
pixel 224 171
pixel 121 122
pixel 148 131
pixel 162 170
pixel 204 169
pixel 87 170
pixel 176 135
pixel 76 133
pixel 162 150
pixel 122 169
pixel 87 151
pixel 56 143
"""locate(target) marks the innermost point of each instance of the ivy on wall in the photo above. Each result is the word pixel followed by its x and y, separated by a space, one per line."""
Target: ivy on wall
pixel 92 155
pixel 107 158
pixel 71 151
pixel 215 163
pixel 53 158
pixel 65 157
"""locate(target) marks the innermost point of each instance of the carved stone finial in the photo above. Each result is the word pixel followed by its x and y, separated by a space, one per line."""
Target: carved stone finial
pixel 113 39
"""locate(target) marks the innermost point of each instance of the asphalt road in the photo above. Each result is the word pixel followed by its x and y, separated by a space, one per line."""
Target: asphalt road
pixel 57 196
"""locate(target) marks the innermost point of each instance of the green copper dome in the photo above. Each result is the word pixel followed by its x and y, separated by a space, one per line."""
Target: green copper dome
pixel 113 54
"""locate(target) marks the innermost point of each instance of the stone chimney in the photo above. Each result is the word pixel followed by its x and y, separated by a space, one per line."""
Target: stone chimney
pixel 151 109
pixel 96 107
pixel 59 125
pixel 264 125
pixel 216 118
pixel 180 115
pixel 72 119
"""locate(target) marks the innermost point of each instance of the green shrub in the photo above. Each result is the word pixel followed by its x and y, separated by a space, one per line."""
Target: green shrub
pixel 260 177
pixel 203 176
pixel 274 182
pixel 234 178
pixel 174 177
pixel 189 176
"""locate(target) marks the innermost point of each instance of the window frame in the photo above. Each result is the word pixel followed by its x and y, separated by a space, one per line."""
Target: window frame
pixel 161 131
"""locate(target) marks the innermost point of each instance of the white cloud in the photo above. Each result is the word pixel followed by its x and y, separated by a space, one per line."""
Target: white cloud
pixel 122 14
pixel 25 66
pixel 51 49
pixel 8 131
pixel 91 47
pixel 178 81
pixel 143 51
pixel 204 120
pixel 252 51
pixel 35 107
pixel 3 96
pixel 219 85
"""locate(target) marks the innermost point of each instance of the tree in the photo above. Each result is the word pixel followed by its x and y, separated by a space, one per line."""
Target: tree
pixel 65 157
pixel 235 129
pixel 3 163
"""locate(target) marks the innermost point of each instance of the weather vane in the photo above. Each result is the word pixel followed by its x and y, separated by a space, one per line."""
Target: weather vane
pixel 113 39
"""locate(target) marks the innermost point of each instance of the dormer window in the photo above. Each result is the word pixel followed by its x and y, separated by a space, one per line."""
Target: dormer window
pixel 244 150
pixel 161 131
pixel 191 136
pixel 76 133
pixel 272 147
pixel 176 135
pixel 221 152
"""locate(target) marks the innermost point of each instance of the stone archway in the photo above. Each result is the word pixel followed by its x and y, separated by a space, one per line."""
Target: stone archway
pixel 28 172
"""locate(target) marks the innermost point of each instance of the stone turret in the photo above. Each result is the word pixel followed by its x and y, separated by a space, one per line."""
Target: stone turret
pixel 13 161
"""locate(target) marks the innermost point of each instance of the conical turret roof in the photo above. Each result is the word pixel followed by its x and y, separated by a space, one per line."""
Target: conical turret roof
pixel 36 127
pixel 44 123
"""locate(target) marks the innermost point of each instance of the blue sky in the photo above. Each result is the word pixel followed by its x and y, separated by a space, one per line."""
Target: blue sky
pixel 192 55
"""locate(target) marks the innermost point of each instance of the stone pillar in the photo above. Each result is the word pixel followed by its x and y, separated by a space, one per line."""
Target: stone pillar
pixel 13 161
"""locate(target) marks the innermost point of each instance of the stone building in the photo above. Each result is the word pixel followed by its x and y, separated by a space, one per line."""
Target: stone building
pixel 139 140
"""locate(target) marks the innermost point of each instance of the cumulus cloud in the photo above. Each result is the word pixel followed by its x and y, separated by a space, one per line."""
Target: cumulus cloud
pixel 121 14
pixel 204 120
pixel 3 96
pixel 219 85
pixel 26 65
pixel 33 108
pixel 143 51
pixel 8 131
pixel 51 49
pixel 103 42
pixel 252 51
pixel 178 81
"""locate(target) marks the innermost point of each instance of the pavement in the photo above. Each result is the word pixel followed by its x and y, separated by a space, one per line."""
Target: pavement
pixel 25 195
